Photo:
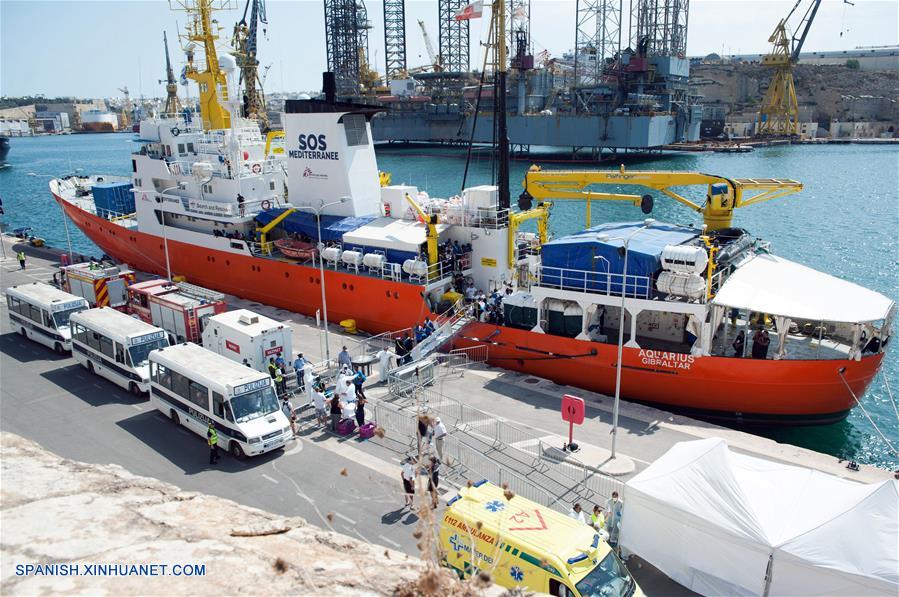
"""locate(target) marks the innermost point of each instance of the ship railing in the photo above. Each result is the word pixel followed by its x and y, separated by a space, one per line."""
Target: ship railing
pixel 192 124
pixel 374 344
pixel 634 286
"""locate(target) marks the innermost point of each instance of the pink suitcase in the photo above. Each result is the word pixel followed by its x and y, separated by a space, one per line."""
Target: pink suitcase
pixel 346 426
pixel 367 431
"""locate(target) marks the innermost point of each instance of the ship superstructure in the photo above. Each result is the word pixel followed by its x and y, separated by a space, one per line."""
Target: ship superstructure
pixel 312 224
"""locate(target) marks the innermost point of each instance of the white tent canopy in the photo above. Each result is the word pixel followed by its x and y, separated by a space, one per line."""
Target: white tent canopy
pixel 777 286
pixel 717 522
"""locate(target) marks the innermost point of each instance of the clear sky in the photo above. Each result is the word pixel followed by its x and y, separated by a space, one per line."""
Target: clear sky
pixel 92 48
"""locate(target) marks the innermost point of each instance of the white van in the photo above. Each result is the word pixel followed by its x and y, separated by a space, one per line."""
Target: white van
pixel 245 336
pixel 193 386
pixel 41 313
pixel 116 346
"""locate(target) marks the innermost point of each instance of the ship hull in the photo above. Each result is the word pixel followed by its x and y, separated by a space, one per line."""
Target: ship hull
pixel 745 391
pixel 376 305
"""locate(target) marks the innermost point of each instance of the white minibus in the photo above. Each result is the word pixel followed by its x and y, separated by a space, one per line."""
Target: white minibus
pixel 116 346
pixel 193 386
pixel 41 312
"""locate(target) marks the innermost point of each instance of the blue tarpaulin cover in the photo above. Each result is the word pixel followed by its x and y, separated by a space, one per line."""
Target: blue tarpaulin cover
pixel 584 261
pixel 303 222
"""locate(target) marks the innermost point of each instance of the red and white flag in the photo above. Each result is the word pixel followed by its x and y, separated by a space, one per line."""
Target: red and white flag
pixel 475 10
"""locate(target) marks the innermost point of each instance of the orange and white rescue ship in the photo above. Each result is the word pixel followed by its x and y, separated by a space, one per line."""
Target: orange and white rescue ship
pixel 213 206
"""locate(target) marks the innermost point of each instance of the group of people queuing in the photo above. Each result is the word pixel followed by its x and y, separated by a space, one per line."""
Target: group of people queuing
pixel 404 344
pixel 450 254
pixel 236 235
pixel 487 309
pixel 607 522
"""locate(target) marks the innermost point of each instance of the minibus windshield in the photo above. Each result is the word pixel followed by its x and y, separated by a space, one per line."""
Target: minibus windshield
pixel 140 354
pixel 61 318
pixel 609 579
pixel 253 405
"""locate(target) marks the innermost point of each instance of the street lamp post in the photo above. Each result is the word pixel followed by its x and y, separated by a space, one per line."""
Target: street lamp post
pixel 165 239
pixel 321 265
pixel 646 224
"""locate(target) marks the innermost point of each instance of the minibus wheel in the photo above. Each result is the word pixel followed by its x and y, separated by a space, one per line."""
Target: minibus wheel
pixel 24 334
pixel 135 389
pixel 237 451
pixel 175 418
pixel 90 367
pixel 58 348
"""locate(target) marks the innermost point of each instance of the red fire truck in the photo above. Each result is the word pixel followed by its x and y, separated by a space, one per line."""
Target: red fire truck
pixel 102 284
pixel 179 308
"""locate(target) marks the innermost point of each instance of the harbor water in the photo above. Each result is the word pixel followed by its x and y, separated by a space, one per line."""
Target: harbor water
pixel 845 222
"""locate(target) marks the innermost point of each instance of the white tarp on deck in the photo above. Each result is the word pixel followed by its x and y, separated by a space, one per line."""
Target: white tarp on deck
pixel 387 233
pixel 777 286
pixel 714 520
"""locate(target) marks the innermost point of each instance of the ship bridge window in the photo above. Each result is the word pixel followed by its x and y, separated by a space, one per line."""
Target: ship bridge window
pixel 356 133
pixel 134 165
pixel 181 149
pixel 271 185
pixel 190 148
pixel 207 188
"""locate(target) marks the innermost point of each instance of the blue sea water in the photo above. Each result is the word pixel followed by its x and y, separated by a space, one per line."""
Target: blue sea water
pixel 845 222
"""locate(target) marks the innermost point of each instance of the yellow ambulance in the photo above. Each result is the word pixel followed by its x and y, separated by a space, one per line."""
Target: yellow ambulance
pixel 523 544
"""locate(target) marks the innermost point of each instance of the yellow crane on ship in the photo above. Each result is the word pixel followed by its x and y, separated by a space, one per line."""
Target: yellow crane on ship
pixel 723 195
pixel 211 80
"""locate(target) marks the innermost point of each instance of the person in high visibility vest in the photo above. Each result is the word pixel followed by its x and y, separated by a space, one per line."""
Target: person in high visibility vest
pixel 21 259
pixel 212 438
pixel 279 381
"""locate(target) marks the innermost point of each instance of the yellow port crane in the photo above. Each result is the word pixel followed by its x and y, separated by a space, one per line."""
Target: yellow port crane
pixel 779 112
pixel 723 195
pixel 211 80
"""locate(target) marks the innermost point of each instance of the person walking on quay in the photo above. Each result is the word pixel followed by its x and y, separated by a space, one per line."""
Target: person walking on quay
pixel 344 360
pixel 360 410
pixel 279 382
pixel 336 409
pixel 439 432
pixel 614 508
pixel 318 402
pixel 358 381
pixel 212 438
pixel 424 432
pixel 384 356
pixel 291 416
pixel 21 260
pixel 298 365
pixel 433 480
pixel 408 477
pixel 577 513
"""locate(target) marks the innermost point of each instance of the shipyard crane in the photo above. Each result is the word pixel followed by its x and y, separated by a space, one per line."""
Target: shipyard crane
pixel 723 195
pixel 779 113
pixel 245 45
pixel 172 104
pixel 432 55
pixel 126 107
pixel 211 79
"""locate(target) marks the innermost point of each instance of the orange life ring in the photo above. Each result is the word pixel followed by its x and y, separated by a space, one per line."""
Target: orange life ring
pixel 257 168
pixel 266 204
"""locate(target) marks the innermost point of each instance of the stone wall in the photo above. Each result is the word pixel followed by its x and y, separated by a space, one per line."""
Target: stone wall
pixel 56 511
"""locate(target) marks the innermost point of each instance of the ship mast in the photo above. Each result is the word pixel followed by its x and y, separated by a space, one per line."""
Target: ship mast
pixel 245 45
pixel 502 132
pixel 211 80
pixel 172 104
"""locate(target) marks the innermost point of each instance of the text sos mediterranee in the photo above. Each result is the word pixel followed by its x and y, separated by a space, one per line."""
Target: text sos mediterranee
pixel 69 569
pixel 313 147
